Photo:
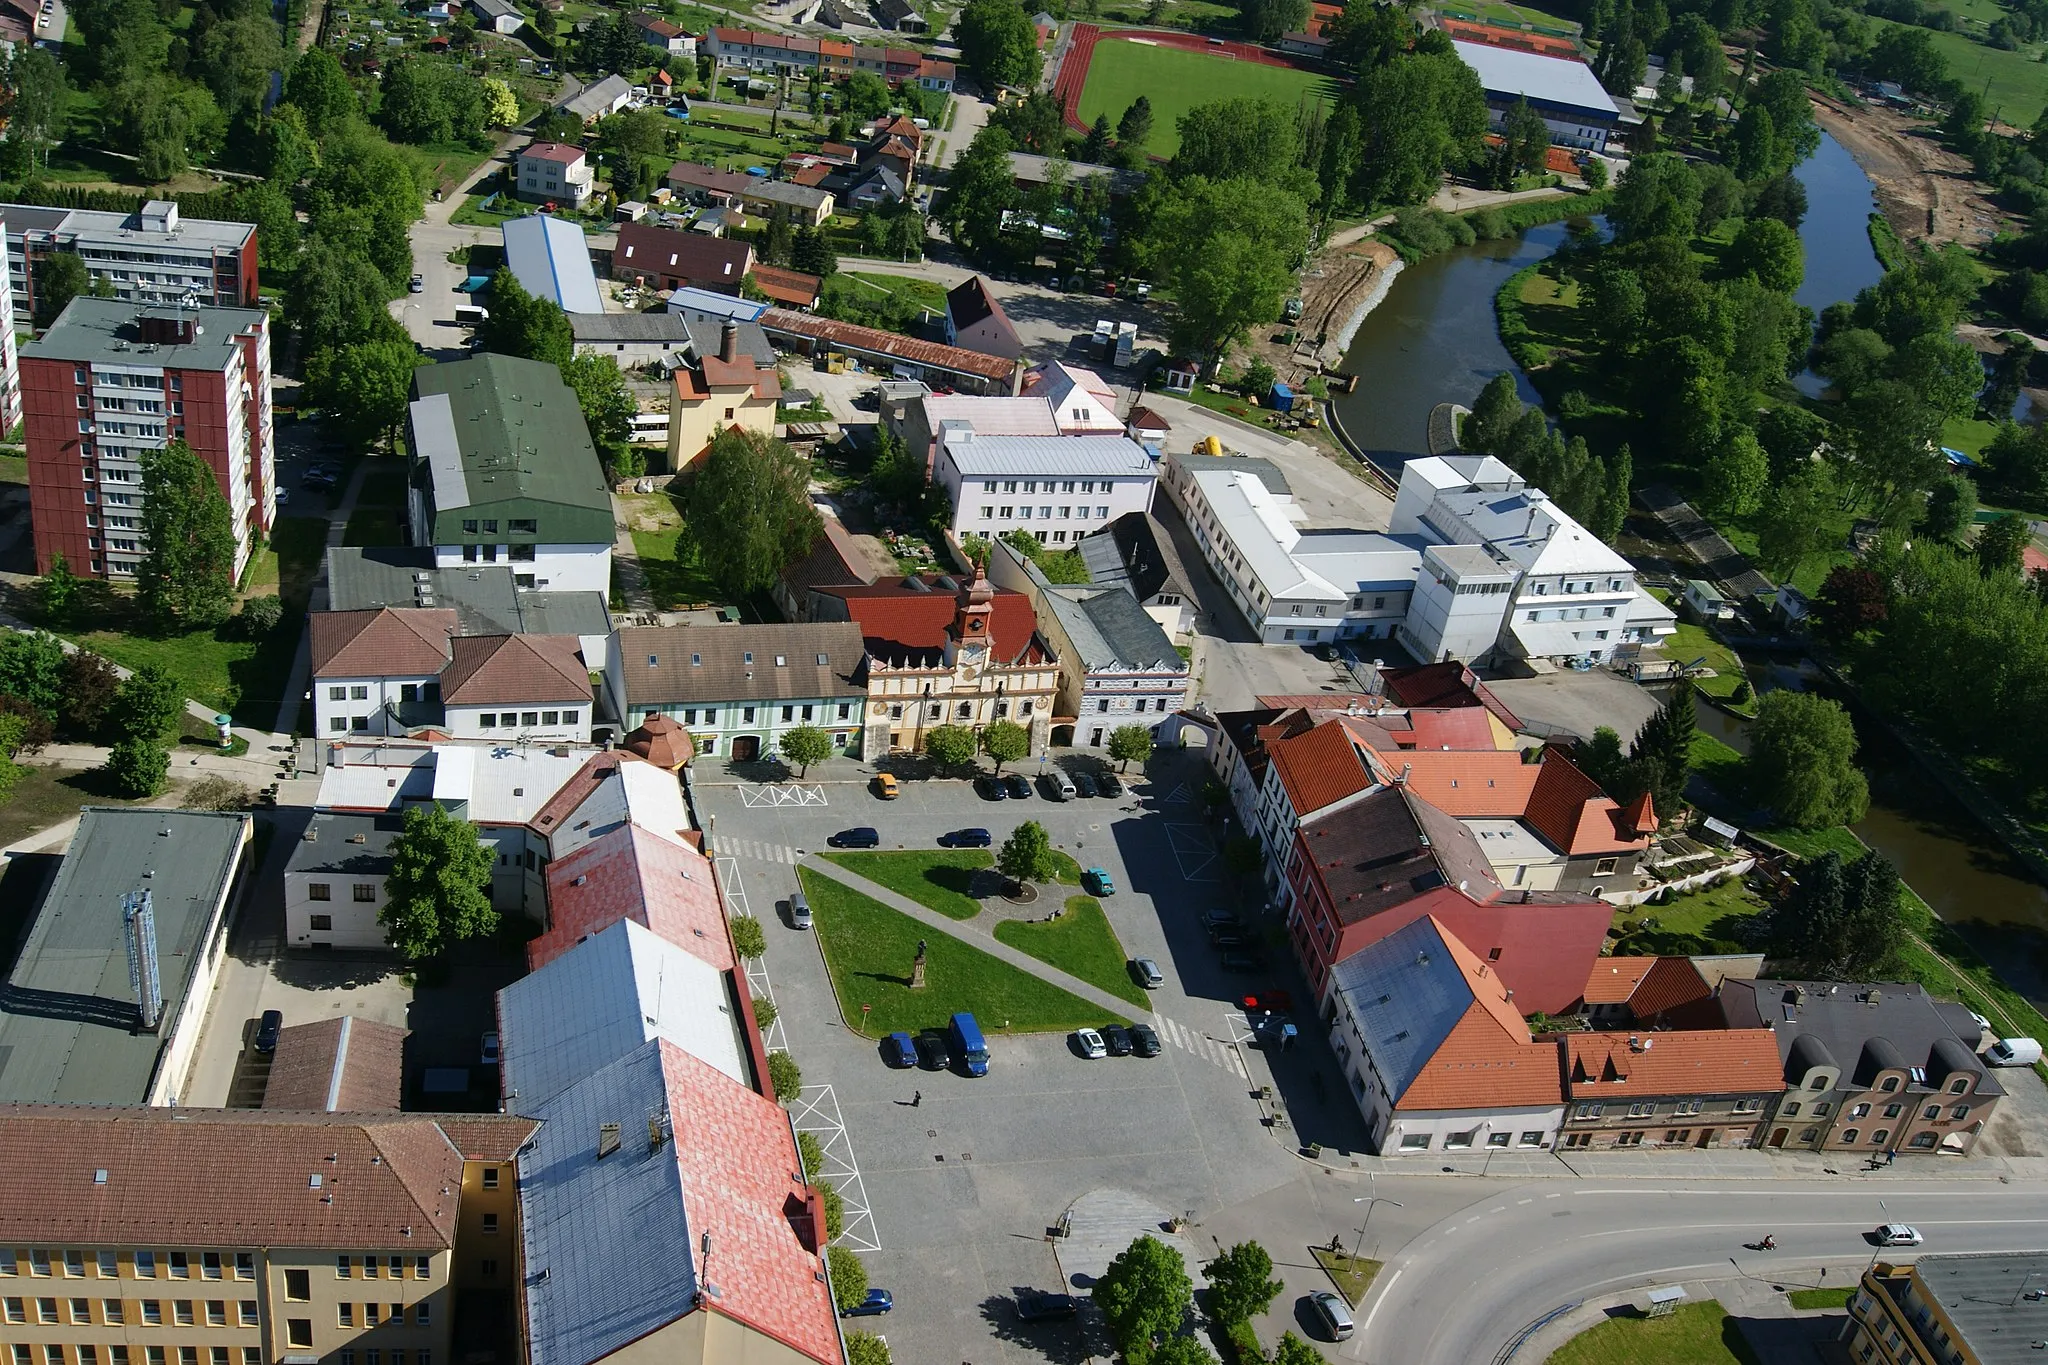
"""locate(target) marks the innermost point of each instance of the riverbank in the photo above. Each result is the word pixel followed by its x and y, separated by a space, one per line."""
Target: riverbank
pixel 1927 192
pixel 1374 297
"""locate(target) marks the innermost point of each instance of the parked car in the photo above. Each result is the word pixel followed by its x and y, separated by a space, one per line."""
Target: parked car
pixel 1148 973
pixel 1898 1235
pixel 1016 786
pixel 267 1029
pixel 991 788
pixel 1111 785
pixel 1144 1040
pixel 1333 1313
pixel 1243 964
pixel 1090 1043
pixel 898 1051
pixel 1085 785
pixel 885 786
pixel 861 836
pixel 932 1052
pixel 1279 1002
pixel 2013 1052
pixel 1117 1039
pixel 799 911
pixel 1058 786
pixel 878 1302
pixel 1097 882
pixel 417 284
pixel 490 1048
pixel 284 496
pixel 1033 1306
pixel 966 838
pixel 1218 920
pixel 1226 939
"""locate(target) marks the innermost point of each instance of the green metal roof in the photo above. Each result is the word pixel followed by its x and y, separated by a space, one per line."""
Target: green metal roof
pixel 504 436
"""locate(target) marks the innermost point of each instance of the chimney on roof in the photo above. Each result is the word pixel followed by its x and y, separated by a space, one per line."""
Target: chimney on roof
pixel 657 1133
pixel 729 342
pixel 1402 780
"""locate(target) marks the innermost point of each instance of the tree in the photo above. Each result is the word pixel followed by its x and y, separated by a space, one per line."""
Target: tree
pixel 366 387
pixel 1800 520
pixel 981 189
pixel 148 703
pixel 865 1348
pixel 1842 921
pixel 501 106
pixel 1802 761
pixel 1101 138
pixel 1229 251
pixel 1292 1350
pixel 1179 1351
pixel 12 728
pixel 1494 414
pixel 36 86
pixel 524 324
pixel 998 44
pixel 1145 1293
pixel 1134 129
pixel 217 793
pixel 1419 115
pixel 319 90
pixel 1241 139
pixel 186 578
pixel 58 591
pixel 1660 760
pixel 748 511
pixel 1130 744
pixel 748 938
pixel 1601 758
pixel 237 59
pixel 1265 20
pixel 1769 250
pixel 1755 153
pixel 608 405
pixel 1737 476
pixel 787 1078
pixel 1951 508
pixel 1852 601
pixel 438 891
pixel 60 278
pixel 32 670
pixel 865 95
pixel 90 688
pixel 2001 545
pixel 1944 370
pixel 805 745
pixel 1026 856
pixel 849 1277
pixel 1527 138
pixel 1241 1283
pixel 1005 741
pixel 138 768
pixel 951 746
pixel 1611 514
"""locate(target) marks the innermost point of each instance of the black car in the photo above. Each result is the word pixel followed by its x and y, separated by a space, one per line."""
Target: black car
pixel 1144 1041
pixel 863 836
pixel 1243 964
pixel 1111 784
pixel 1085 785
pixel 1035 1307
pixel 1221 922
pixel 1117 1039
pixel 1226 939
pixel 267 1030
pixel 933 1054
pixel 966 838
pixel 991 788
pixel 1016 786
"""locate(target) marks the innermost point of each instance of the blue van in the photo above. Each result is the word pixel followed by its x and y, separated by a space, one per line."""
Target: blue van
pixel 968 1045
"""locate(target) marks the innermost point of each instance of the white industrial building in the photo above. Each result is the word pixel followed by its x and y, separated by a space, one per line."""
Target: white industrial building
pixel 1563 90
pixel 1058 488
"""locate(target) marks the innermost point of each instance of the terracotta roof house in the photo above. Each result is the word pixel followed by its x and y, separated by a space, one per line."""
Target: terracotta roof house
pixel 377 671
pixel 716 392
pixel 834 561
pixel 738 689
pixel 1668 1091
pixel 1545 826
pixel 790 288
pixel 968 370
pixel 629 873
pixel 664 258
pixel 512 686
pixel 976 322
pixel 1433 1044
pixel 346 1065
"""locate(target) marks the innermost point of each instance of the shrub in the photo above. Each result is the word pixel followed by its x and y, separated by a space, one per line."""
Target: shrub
pixel 1244 1343
pixel 748 939
pixel 813 1153
pixel 218 793
pixel 258 617
pixel 835 1209
pixel 785 1075
pixel 138 767
pixel 1257 380
pixel 764 1012
pixel 849 1277
pixel 865 1348
pixel 1490 225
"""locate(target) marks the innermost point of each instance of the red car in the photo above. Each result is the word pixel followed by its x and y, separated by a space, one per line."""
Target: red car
pixel 1279 1002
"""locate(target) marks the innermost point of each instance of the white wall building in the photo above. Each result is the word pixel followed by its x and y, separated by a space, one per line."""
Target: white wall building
pixel 554 172
pixel 1058 488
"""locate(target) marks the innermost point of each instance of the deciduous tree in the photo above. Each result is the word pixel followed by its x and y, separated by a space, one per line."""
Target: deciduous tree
pixel 1802 761
pixel 1130 744
pixel 186 577
pixel 524 324
pixel 148 703
pixel 1145 1293
pixel 1241 1283
pixel 365 388
pixel 1736 477
pixel 748 511
pixel 90 688
pixel 1026 856
pixel 849 1277
pixel 32 669
pixel 2001 545
pixel 320 91
pixel 998 44
pixel 951 746
pixel 1951 508
pixel 805 745
pixel 1770 251
pixel 438 891
pixel 1005 741
pixel 138 768
pixel 608 405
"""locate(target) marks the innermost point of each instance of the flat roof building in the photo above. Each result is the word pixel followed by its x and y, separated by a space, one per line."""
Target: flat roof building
pixel 1983 1309
pixel 1563 90
pixel 153 255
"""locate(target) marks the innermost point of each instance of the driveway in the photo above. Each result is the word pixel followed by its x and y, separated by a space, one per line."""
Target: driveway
pixel 970 118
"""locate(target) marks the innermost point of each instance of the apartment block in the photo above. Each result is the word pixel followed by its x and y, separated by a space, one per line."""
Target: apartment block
pixel 111 380
pixel 1984 1309
pixel 153 255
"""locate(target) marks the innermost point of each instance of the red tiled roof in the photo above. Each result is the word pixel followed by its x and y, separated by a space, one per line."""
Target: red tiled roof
pixel 787 286
pixel 1639 816
pixel 1569 809
pixel 1454 728
pixel 1615 979
pixel 1470 784
pixel 340 1065
pixel 1445 684
pixel 571 794
pixel 1488 1058
pixel 891 344
pixel 560 152
pixel 633 874
pixel 741 1175
pixel 1671 983
pixel 381 642
pixel 1702 1062
pixel 898 621
pixel 490 669
pixel 1319 768
pixel 1144 419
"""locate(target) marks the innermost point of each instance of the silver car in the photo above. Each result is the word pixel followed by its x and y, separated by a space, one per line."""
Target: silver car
pixel 1148 973
pixel 1333 1313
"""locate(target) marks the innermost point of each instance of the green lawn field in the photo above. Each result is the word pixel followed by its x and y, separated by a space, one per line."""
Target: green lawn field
pixel 2013 83
pixel 1176 81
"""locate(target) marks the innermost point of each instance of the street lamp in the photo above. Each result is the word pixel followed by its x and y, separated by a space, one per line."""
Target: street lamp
pixel 1369 1200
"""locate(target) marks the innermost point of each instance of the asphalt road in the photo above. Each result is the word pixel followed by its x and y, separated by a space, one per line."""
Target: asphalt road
pixel 1461 1290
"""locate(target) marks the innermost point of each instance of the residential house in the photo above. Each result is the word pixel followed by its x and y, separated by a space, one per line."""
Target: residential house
pixel 738 689
pixel 723 391
pixel 976 322
pixel 1119 666
pixel 1661 992
pixel 632 873
pixel 702 185
pixel 524 688
pixel 804 205
pixel 1870 1068
pixel 834 560
pixel 1435 1049
pixel 916 419
pixel 1707 602
pixel 334 881
pixel 900 15
pixel 1947 1310
pixel 599 98
pixel 483 492
pixel 663 258
pixel 663 36
pixel 1138 555
pixel 486 599
pixel 933 74
pixel 378 671
pixel 866 189
pixel 945 651
pixel 1082 403
pixel 1057 488
pixel 1544 826
pixel 498 16
pixel 554 172
pixel 1668 1091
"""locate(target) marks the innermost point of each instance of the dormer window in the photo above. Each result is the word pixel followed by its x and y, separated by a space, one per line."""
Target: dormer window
pixel 1891 1083
pixel 748 656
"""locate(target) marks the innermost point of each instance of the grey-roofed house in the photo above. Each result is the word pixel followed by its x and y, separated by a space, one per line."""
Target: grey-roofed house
pixel 1119 667
pixel 1871 1068
pixel 738 689
pixel 976 322
pixel 487 599
pixel 503 471
pixel 499 16
pixel 594 101
pixel 1979 1309
pixel 1138 555
pixel 1056 488
pixel 551 260
pixel 68 1018
pixel 670 338
pixel 803 203
pixel 1030 171
pixel 334 881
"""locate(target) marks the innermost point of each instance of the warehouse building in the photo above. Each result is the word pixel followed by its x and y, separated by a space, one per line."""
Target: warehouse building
pixel 1578 112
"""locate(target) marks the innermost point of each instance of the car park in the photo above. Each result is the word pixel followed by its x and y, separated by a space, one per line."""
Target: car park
pixel 991 789
pixel 1226 940
pixel 1097 882
pixel 1117 1039
pixel 1144 1040
pixel 267 1030
pixel 1090 1043
pixel 1333 1313
pixel 1898 1235
pixel 932 1052
pixel 861 836
pixel 878 1302
pixel 885 786
pixel 898 1051
pixel 799 911
pixel 1085 785
pixel 1148 973
pixel 1016 786
pixel 1111 784
pixel 1033 1306
pixel 967 838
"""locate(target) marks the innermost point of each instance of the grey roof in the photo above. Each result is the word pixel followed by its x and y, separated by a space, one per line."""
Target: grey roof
pixel 66 1014
pixel 1994 1323
pixel 1138 553
pixel 328 845
pixel 101 228
pixel 1111 631
pixel 1857 1023
pixel 782 192
pixel 1265 471
pixel 595 99
pixel 105 332
pixel 496 9
pixel 979 457
pixel 690 326
pixel 552 261
pixel 1036 170
pixel 692 665
pixel 483 596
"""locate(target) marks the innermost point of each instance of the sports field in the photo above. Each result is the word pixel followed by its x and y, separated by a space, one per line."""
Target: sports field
pixel 1177 80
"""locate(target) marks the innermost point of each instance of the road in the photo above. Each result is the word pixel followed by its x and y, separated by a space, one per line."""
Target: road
pixel 429 316
pixel 1461 1290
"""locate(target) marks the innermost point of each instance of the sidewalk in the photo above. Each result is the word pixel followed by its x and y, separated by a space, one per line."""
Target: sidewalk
pixel 1774 1330
pixel 300 678
pixel 626 558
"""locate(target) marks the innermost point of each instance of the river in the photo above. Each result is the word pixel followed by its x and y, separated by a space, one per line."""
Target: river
pixel 1433 339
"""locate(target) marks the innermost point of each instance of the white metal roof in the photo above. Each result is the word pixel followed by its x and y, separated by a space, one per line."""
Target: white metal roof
pixel 1554 80
pixel 995 415
pixel 552 261
pixel 981 457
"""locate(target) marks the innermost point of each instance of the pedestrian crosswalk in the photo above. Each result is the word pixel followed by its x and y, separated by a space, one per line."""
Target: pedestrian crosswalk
pixel 758 850
pixel 1214 1051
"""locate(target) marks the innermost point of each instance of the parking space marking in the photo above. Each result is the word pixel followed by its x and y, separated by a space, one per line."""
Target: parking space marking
pixel 758 985
pixel 1175 797
pixel 789 794
pixel 816 1111
pixel 1194 851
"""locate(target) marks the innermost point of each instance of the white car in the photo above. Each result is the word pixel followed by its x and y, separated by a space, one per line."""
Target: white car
pixel 490 1048
pixel 1898 1235
pixel 1091 1044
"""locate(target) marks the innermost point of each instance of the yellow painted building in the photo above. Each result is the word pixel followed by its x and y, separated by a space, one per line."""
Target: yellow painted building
pixel 1951 1310
pixel 717 392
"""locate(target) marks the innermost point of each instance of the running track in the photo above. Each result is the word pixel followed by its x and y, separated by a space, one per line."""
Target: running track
pixel 1081 51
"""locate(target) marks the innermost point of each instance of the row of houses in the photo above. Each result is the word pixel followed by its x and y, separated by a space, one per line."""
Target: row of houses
pixel 783 53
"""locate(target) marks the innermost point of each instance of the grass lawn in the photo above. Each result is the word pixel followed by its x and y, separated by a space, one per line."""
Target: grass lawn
pixel 868 950
pixel 1079 943
pixel 1837 1297
pixel 941 878
pixel 1352 1278
pixel 1500 12
pixel 502 210
pixel 1720 765
pixel 13 469
pixel 1709 920
pixel 2015 85
pixel 1968 434
pixel 1065 870
pixel 1693 642
pixel 673 574
pixel 1176 81
pixel 1697 1334
pixel 45 796
pixel 870 289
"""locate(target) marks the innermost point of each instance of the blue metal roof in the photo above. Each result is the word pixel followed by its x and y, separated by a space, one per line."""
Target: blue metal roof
pixel 551 261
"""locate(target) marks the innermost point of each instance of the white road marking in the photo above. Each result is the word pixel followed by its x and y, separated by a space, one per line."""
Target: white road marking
pixel 816 1111
pixel 758 985
pixel 1386 1288
pixel 782 795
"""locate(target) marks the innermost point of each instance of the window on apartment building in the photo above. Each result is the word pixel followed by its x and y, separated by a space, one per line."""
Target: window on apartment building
pixel 111 1312
pixel 209 1265
pixel 1877 1139
pixel 1605 866
pixel 896 710
pixel 1889 1084
pixel 245 1265
pixel 1530 1140
pixel 152 1313
pixel 109 1265
pixel 487 720
pixel 181 1312
pixel 247 1308
pixel 145 1265
pixel 422 1266
pixel 324 891
pixel 490 1225
pixel 298 1334
pixel 369 1267
pixel 216 1312
pixel 370 1315
pixel 298 1286
pixel 365 893
pixel 422 1314
pixel 345 1316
